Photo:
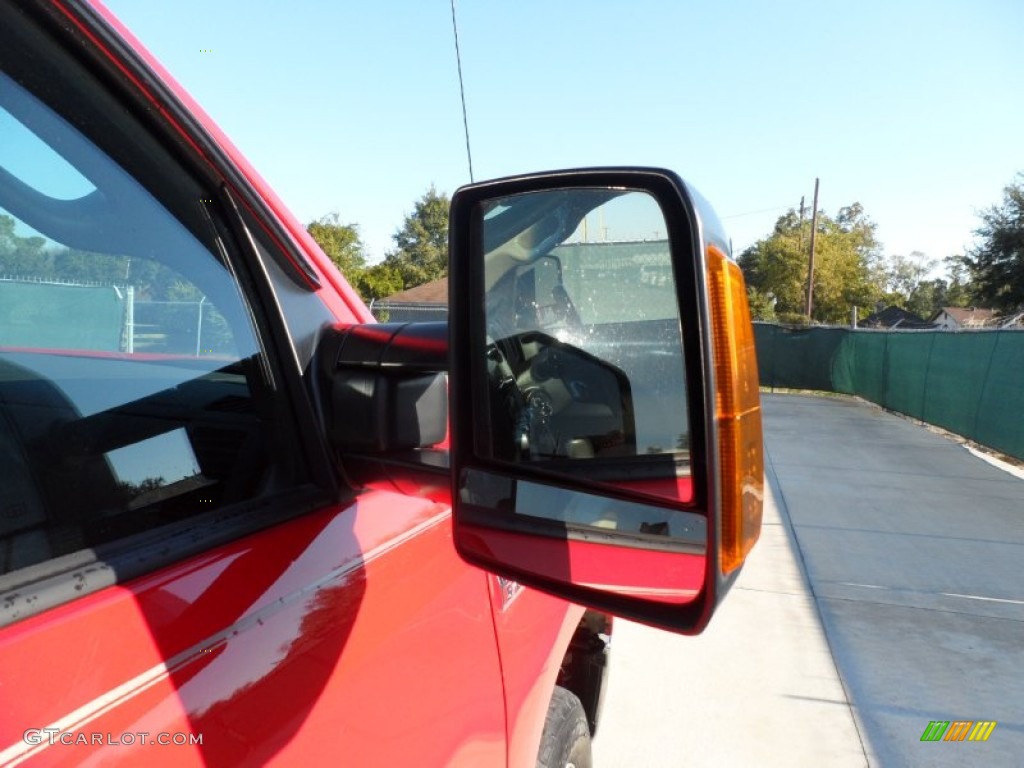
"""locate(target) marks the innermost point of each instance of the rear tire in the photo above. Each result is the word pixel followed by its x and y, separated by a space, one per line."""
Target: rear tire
pixel 565 742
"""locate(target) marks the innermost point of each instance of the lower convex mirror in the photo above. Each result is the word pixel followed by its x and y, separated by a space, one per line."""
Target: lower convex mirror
pixel 535 521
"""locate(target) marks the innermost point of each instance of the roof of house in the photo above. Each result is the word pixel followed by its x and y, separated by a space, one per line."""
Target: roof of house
pixel 1012 321
pixel 969 315
pixel 434 292
pixel 894 317
pixel 612 254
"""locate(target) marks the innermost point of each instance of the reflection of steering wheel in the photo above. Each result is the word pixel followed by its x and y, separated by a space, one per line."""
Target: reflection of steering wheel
pixel 520 421
pixel 506 404
pixel 540 409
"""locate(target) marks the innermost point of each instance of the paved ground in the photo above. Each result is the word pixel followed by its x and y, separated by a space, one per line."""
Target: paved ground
pixel 887 591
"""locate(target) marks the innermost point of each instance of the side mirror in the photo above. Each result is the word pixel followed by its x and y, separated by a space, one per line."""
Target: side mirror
pixel 605 415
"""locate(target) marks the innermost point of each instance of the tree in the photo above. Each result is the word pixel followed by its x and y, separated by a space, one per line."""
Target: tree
pixel 927 297
pixel 905 274
pixel 762 305
pixel 36 257
pixel 959 290
pixel 996 263
pixel 341 243
pixel 22 256
pixel 421 243
pixel 905 284
pixel 847 270
pixel 379 281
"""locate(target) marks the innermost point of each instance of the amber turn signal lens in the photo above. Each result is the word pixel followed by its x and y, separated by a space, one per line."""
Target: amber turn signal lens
pixel 737 410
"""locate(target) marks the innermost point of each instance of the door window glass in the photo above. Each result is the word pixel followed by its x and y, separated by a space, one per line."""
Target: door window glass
pixel 132 391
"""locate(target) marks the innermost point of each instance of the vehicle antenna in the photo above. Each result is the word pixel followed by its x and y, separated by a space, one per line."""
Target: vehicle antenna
pixel 462 92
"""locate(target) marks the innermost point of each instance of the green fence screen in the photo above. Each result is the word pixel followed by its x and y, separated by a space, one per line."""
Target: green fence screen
pixel 55 316
pixel 970 383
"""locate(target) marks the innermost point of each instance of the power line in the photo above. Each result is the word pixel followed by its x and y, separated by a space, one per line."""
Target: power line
pixel 462 92
pixel 751 213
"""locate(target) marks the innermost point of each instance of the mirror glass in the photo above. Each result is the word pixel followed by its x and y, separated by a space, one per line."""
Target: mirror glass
pixel 584 356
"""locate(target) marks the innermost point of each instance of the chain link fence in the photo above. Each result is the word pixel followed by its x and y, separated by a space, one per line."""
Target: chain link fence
pixel 44 314
pixel 408 312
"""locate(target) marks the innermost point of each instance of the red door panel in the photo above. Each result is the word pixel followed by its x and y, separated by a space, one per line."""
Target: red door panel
pixel 352 636
pixel 533 631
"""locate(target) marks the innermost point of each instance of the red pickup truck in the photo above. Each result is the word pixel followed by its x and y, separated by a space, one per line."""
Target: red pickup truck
pixel 242 523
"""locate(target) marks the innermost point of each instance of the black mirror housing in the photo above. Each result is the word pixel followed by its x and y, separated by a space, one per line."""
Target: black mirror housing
pixel 388 390
pixel 594 439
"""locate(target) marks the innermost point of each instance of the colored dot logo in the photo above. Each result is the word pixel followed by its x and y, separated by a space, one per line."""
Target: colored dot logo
pixel 206 50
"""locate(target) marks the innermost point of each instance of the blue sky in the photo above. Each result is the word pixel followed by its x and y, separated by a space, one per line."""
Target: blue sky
pixel 913 109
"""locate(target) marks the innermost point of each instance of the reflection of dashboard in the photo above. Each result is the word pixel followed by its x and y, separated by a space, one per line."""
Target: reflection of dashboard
pixel 95 447
pixel 570 403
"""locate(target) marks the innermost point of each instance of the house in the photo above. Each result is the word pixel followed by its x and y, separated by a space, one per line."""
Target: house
pixel 1013 321
pixel 419 304
pixel 648 260
pixel 964 318
pixel 894 317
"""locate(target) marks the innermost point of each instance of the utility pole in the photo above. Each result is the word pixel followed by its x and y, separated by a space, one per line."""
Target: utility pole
pixel 810 264
pixel 800 231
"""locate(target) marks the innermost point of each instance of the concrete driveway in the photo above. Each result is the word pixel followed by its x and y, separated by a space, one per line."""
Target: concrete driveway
pixel 887 591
